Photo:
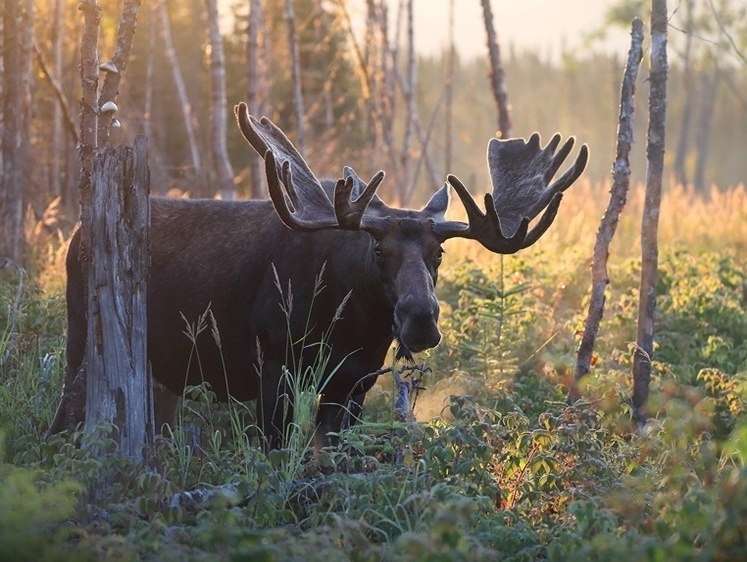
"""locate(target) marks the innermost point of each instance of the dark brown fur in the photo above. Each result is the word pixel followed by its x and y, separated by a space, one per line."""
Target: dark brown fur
pixel 216 254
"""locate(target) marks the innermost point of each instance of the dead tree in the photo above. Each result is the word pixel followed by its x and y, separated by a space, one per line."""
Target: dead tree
pixel 118 390
pixel 290 18
pixel 497 74
pixel 221 162
pixel 642 358
pixel 114 69
pixel 618 196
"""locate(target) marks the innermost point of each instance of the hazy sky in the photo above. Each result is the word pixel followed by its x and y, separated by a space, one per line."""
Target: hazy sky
pixel 544 26
pixel 541 25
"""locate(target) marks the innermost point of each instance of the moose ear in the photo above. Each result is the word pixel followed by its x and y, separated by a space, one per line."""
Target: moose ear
pixel 436 207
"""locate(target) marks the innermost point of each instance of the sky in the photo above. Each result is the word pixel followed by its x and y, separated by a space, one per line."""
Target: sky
pixel 543 26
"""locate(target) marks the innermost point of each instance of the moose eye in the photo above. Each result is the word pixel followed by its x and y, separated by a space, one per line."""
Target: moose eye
pixel 439 256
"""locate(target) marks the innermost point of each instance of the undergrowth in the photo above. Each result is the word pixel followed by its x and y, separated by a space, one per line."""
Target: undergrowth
pixel 498 465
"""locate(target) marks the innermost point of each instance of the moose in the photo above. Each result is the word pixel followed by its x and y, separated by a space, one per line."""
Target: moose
pixel 380 262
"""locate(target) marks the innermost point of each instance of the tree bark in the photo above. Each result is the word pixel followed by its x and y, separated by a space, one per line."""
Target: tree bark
pixel 118 389
pixel 253 96
pixel 618 196
pixel 708 102
pixel 221 162
pixel 409 92
pixel 449 113
pixel 89 113
pixel 116 67
pixel 683 142
pixel 13 161
pixel 642 358
pixel 57 115
pixel 290 19
pixel 181 88
pixel 497 74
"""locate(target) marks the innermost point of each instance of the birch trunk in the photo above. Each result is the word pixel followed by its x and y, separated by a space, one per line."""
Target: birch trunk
pixel 290 18
pixel 683 142
pixel 186 107
pixel 253 96
pixel 221 163
pixel 618 196
pixel 11 183
pixel 708 102
pixel 642 359
pixel 409 92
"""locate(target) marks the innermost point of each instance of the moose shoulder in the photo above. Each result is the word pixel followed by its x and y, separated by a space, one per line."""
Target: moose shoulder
pixel 232 257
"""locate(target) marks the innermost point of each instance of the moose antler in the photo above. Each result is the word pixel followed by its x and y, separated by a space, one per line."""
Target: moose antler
pixel 520 172
pixel 297 195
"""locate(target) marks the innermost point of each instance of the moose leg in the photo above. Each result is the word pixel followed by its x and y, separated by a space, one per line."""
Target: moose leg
pixel 333 418
pixel 164 407
pixel 276 406
pixel 72 407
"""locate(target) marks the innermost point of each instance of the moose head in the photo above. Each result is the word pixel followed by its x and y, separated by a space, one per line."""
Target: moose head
pixel 406 243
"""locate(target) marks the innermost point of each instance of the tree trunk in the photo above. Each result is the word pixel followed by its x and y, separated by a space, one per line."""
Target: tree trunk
pixel 290 18
pixel 181 88
pixel 643 356
pixel 683 142
pixel 89 113
pixel 118 389
pixel 58 143
pixel 409 92
pixel 11 183
pixel 116 68
pixel 253 97
pixel 496 74
pixel 618 196
pixel 449 113
pixel 708 102
pixel 221 163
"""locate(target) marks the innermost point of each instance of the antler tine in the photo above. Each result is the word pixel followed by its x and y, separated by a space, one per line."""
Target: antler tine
pixel 485 227
pixel 298 196
pixel 351 213
pixel 280 193
pixel 520 171
pixel 545 221
pixel 560 157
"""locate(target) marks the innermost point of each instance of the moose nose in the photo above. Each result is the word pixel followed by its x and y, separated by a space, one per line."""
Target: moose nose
pixel 416 322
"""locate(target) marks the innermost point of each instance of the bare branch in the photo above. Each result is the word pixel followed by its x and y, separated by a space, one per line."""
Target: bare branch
pixel 618 195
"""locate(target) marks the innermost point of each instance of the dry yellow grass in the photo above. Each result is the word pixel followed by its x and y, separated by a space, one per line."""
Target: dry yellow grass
pixel 715 222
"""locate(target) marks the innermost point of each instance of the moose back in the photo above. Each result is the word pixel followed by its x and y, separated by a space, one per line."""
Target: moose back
pixel 332 254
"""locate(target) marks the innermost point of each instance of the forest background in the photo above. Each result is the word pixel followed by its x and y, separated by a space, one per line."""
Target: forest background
pixel 499 465
pixel 349 80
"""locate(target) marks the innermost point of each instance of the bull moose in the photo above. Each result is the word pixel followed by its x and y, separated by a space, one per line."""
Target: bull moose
pixel 231 255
